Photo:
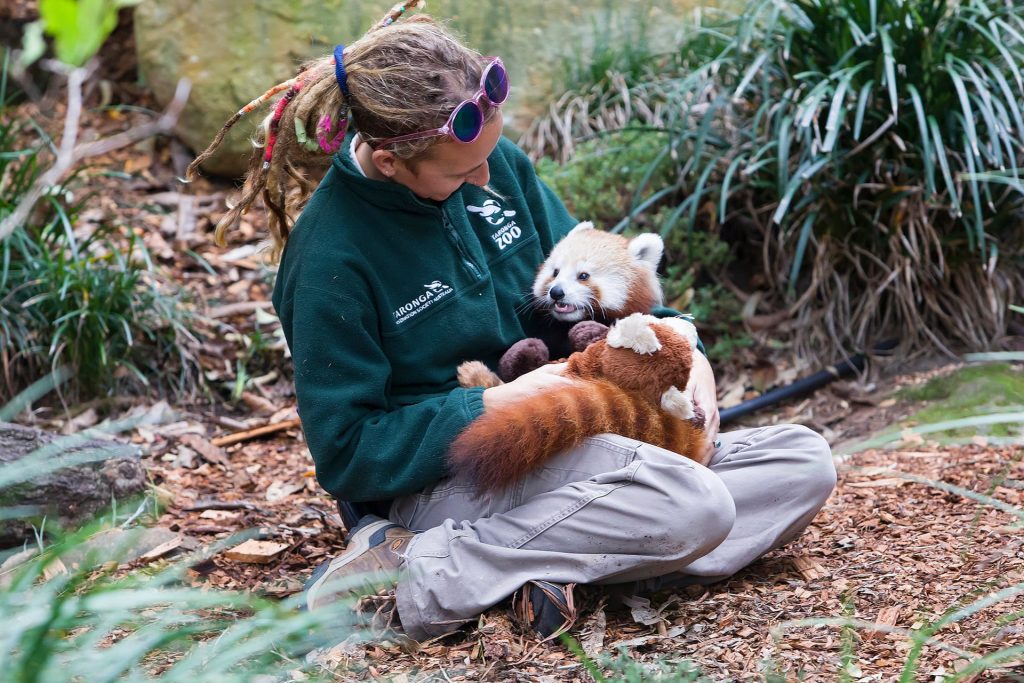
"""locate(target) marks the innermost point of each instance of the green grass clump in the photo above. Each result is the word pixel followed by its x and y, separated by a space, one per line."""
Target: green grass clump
pixel 985 400
pixel 971 391
pixel 76 610
pixel 87 298
pixel 983 385
pixel 622 666
pixel 91 304
pixel 79 621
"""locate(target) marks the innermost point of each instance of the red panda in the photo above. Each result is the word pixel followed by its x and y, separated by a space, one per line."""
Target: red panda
pixel 589 275
pixel 629 384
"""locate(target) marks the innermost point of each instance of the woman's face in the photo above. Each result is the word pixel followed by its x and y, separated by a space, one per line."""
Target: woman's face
pixel 449 164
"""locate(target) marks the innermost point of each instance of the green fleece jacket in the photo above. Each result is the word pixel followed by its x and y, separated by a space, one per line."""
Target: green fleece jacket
pixel 382 295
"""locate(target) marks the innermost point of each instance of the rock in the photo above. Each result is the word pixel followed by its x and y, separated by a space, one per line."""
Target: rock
pixel 232 53
pixel 70 495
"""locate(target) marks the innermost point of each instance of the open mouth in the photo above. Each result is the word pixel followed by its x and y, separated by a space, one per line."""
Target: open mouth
pixel 564 309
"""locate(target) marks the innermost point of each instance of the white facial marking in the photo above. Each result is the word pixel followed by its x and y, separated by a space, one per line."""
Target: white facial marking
pixel 576 301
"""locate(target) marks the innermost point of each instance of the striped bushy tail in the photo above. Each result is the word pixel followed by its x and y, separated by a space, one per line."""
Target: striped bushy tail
pixel 506 443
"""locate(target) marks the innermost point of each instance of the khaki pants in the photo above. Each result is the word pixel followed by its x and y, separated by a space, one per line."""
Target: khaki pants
pixel 612 510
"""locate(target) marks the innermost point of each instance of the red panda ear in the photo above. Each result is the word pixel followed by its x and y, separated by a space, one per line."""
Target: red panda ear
pixel 585 225
pixel 647 248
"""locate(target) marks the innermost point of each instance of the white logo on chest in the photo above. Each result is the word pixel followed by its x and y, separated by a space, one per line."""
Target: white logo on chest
pixel 435 291
pixel 508 231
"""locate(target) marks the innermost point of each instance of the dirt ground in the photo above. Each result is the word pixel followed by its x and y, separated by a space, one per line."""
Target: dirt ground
pixel 886 549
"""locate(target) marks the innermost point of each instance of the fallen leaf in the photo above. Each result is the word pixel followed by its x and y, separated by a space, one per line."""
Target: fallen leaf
pixel 210 453
pixel 877 483
pixel 258 404
pixel 256 552
pixel 809 569
pixel 161 550
pixel 220 515
pixel 278 490
pixel 594 628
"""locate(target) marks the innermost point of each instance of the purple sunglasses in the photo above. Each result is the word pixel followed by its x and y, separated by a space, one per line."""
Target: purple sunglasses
pixel 467 119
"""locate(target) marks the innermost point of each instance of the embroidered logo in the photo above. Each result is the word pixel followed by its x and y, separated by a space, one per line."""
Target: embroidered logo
pixel 435 291
pixel 508 231
pixel 491 211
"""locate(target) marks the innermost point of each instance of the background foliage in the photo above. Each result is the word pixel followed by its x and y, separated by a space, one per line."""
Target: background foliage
pixel 82 296
pixel 870 151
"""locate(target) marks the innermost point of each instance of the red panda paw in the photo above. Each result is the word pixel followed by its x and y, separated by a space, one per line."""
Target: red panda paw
pixel 522 357
pixel 585 333
pixel 473 373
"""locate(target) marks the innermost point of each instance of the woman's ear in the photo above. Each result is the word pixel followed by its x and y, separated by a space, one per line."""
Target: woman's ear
pixel 385 161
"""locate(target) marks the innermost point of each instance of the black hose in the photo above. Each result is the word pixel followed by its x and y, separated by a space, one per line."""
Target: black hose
pixel 844 368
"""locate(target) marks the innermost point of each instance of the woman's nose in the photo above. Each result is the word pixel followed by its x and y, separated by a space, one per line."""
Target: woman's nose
pixel 481 177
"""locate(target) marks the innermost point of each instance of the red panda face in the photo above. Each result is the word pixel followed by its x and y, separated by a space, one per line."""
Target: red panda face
pixel 569 291
pixel 592 274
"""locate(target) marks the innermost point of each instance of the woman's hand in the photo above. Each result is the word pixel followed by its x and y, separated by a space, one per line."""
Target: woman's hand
pixel 525 386
pixel 702 391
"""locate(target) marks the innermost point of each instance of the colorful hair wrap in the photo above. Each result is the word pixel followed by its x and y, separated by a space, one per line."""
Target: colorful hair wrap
pixel 265 96
pixel 328 144
pixel 303 138
pixel 397 11
pixel 339 70
pixel 323 142
pixel 275 120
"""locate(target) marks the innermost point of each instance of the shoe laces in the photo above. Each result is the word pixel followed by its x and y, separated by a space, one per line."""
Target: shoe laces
pixel 379 610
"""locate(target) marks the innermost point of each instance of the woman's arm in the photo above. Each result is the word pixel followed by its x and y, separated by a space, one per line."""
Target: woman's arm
pixel 701 388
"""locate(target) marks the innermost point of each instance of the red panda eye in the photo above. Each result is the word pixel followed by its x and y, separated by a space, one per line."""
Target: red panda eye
pixel 583 276
pixel 555 274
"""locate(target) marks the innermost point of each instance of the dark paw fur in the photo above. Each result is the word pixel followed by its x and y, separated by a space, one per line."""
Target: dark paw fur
pixel 522 357
pixel 585 333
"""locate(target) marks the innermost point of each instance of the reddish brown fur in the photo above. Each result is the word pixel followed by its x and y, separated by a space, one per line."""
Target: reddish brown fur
pixel 619 391
pixel 634 371
pixel 641 299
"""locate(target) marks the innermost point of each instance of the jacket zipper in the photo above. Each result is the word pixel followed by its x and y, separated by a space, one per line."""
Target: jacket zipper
pixel 453 235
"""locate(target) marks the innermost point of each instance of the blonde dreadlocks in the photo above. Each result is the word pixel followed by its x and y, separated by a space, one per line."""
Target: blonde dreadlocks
pixel 401 77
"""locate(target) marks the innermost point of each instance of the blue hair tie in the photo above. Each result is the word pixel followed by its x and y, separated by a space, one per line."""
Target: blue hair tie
pixel 339 70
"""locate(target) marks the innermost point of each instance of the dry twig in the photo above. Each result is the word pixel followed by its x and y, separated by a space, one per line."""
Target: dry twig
pixel 69 153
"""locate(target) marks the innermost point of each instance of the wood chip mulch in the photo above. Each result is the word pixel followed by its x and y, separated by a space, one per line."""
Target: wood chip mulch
pixel 886 550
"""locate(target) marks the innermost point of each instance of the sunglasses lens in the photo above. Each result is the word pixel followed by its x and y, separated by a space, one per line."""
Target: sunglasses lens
pixel 467 122
pixel 496 83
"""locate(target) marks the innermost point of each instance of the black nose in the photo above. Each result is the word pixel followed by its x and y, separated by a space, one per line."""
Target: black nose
pixel 556 293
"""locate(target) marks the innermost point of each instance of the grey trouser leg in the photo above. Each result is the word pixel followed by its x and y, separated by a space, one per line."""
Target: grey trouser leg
pixel 610 511
pixel 779 477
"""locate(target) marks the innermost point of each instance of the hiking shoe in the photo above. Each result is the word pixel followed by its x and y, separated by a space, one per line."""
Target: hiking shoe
pixel 546 608
pixel 369 565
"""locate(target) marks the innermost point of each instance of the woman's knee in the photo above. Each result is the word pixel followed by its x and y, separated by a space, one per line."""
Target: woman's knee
pixel 699 515
pixel 816 465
